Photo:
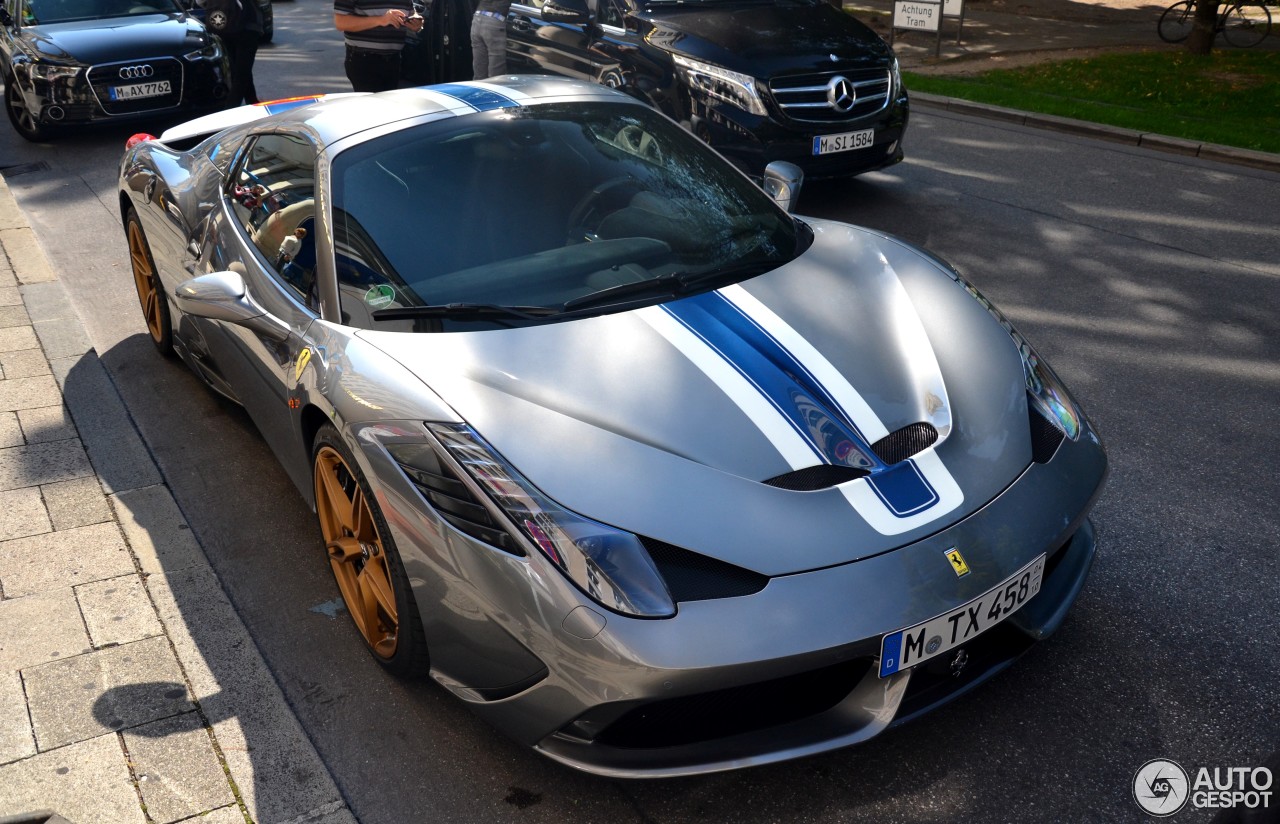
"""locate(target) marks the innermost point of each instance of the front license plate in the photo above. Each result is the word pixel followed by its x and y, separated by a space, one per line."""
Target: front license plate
pixel 908 647
pixel 832 143
pixel 136 90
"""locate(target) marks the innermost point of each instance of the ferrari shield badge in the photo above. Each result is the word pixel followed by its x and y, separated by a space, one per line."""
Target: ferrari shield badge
pixel 957 562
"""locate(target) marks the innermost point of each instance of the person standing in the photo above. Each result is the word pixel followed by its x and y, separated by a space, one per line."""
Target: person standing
pixel 489 39
pixel 238 23
pixel 374 31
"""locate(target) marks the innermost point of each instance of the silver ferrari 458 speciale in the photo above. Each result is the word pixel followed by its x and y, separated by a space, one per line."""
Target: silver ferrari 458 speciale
pixel 655 476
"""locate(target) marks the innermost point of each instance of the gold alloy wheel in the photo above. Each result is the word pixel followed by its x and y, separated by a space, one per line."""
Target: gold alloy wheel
pixel 356 554
pixel 144 280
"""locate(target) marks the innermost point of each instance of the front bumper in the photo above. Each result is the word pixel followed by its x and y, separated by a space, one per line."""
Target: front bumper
pixel 787 672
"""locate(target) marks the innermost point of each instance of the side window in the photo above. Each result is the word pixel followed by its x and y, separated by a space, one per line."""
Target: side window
pixel 272 194
pixel 611 14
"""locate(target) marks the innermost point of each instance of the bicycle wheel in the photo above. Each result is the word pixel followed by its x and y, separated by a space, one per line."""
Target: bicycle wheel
pixel 1175 24
pixel 1246 26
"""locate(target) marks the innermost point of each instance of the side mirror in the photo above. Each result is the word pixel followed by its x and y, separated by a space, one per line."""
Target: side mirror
pixel 782 182
pixel 574 12
pixel 223 296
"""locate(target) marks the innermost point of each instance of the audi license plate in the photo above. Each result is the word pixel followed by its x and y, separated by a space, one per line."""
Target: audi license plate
pixel 908 647
pixel 847 141
pixel 136 90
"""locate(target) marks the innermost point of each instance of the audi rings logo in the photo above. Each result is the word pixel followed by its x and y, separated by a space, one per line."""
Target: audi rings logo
pixel 136 72
pixel 840 94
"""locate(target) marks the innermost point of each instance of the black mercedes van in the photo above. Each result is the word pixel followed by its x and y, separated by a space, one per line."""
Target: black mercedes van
pixel 760 80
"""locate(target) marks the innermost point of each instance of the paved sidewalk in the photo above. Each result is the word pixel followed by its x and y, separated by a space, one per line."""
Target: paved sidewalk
pixel 130 691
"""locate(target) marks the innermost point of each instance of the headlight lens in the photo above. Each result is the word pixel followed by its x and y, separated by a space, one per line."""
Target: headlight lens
pixel 209 51
pixel 45 71
pixel 1047 393
pixel 895 80
pixel 608 564
pixel 720 83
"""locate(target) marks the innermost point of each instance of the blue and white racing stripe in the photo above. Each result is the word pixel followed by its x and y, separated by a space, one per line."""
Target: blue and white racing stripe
pixel 480 97
pixel 802 404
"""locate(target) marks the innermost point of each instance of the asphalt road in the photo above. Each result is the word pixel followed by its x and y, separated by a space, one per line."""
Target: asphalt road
pixel 1150 281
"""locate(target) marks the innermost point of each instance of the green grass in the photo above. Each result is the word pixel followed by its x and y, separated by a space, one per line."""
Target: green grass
pixel 1231 96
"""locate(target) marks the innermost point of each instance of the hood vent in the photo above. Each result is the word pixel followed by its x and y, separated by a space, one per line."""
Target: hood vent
pixel 1046 436
pixel 694 577
pixel 911 439
pixel 892 449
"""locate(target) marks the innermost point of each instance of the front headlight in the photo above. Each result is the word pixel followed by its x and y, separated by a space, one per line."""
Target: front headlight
pixel 721 84
pixel 209 51
pixel 51 73
pixel 608 564
pixel 895 80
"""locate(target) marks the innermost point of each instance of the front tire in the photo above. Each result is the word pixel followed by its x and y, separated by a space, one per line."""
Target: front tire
pixel 155 307
pixel 364 560
pixel 1176 22
pixel 23 119
pixel 1246 26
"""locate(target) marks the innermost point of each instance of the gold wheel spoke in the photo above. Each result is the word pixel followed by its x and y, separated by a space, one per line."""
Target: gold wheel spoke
pixel 379 582
pixel 344 550
pixel 336 496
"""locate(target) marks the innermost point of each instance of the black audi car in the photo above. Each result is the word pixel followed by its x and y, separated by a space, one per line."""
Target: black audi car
pixel 82 61
pixel 760 80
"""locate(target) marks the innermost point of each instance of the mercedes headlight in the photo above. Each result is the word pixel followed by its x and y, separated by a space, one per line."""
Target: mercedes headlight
pixel 895 80
pixel 721 84
pixel 608 564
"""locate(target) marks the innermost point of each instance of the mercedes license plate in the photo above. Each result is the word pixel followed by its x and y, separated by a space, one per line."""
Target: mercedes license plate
pixel 907 647
pixel 136 90
pixel 847 141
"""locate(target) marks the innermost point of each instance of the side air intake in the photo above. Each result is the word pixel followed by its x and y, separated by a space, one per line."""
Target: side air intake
pixel 694 577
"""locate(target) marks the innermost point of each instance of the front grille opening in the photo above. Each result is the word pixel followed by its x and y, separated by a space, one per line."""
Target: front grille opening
pixel 694 577
pixel 910 440
pixel 450 497
pixel 1046 436
pixel 707 716
pixel 813 478
pixel 806 97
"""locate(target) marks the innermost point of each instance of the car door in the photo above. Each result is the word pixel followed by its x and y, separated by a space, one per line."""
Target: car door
pixel 545 46
pixel 269 195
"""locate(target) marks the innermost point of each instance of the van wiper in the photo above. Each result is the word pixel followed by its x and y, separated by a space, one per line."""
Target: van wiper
pixel 461 311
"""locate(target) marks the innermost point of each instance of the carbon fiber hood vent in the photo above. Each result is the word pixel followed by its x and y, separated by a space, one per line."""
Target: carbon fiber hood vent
pixel 893 448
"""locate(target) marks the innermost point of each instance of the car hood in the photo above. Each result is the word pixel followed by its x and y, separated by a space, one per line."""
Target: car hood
pixel 667 420
pixel 116 39
pixel 768 39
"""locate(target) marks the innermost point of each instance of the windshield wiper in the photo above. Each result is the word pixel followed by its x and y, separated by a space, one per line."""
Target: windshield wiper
pixel 672 284
pixel 460 311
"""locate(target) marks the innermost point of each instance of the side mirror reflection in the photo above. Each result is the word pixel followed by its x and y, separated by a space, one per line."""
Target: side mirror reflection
pixel 223 296
pixel 782 182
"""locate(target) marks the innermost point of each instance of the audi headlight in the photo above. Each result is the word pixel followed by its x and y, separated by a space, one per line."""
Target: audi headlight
pixel 51 73
pixel 209 51
pixel 608 564
pixel 721 84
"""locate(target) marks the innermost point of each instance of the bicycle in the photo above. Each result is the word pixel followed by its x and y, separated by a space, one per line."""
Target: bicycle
pixel 1242 24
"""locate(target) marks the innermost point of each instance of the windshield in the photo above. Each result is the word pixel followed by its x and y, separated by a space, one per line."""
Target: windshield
pixel 553 209
pixel 40 12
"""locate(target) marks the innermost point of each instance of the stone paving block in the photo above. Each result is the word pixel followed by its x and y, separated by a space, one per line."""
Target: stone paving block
pixel 117 611
pixel 108 689
pixel 46 423
pixel 22 513
pixel 87 783
pixel 76 503
pixel 43 463
pixel 26 256
pixel 62 633
pixel 156 531
pixel 113 444
pixel 10 296
pixel 269 756
pixel 13 316
pixel 24 363
pixel 11 217
pixel 15 725
pixel 62 337
pixel 222 815
pixel 62 559
pixel 47 301
pixel 18 337
pixel 28 393
pixel 10 431
pixel 177 769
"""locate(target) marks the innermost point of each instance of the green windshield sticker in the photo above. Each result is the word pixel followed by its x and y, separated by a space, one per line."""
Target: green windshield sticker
pixel 379 295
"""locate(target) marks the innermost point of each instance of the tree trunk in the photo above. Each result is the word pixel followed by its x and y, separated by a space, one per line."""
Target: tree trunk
pixel 1204 28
